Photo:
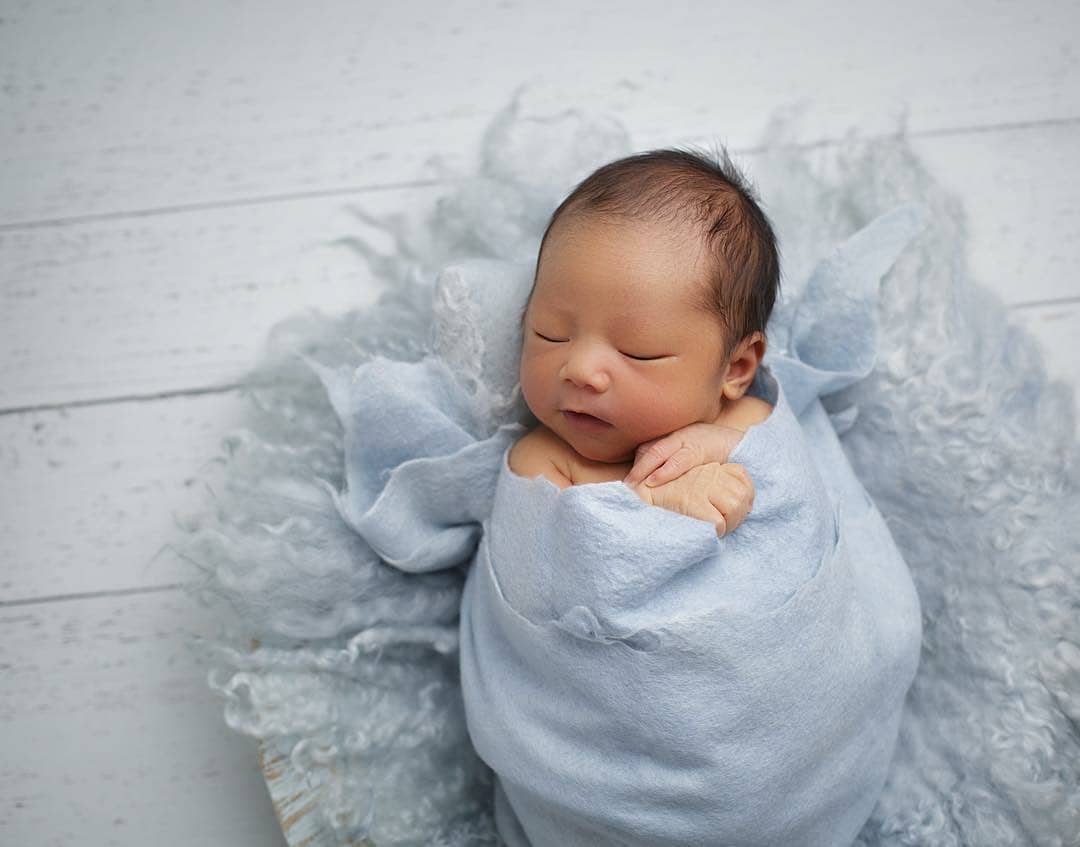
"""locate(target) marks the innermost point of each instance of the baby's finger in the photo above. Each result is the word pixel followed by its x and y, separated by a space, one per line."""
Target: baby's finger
pixel 721 527
pixel 733 501
pixel 738 473
pixel 733 509
pixel 744 486
pixel 650 456
pixel 676 465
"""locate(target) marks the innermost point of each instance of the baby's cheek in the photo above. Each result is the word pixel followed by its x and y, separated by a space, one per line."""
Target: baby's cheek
pixel 534 385
pixel 661 412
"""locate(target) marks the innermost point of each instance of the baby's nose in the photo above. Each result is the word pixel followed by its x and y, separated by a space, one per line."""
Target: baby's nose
pixel 586 367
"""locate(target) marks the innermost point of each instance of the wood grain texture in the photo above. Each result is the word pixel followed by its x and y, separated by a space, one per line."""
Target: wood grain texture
pixel 1020 188
pixel 91 493
pixel 296 803
pixel 111 735
pixel 170 303
pixel 148 105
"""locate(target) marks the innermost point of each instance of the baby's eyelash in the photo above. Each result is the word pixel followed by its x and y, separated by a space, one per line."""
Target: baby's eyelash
pixel 628 355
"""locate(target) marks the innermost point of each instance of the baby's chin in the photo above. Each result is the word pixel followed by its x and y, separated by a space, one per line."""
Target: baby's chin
pixel 594 451
pixel 605 447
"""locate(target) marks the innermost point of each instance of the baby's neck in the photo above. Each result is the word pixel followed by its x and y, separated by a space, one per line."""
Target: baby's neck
pixel 743 413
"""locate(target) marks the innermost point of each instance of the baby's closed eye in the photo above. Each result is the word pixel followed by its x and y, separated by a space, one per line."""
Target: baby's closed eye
pixel 639 357
pixel 647 358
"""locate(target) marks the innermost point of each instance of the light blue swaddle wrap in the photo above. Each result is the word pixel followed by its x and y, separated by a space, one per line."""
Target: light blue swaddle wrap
pixel 631 678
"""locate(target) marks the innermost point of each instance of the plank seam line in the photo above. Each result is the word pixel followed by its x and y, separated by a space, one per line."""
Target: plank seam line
pixel 364 189
pixel 1051 301
pixel 131 398
pixel 88 595
pixel 210 205
pixel 940 132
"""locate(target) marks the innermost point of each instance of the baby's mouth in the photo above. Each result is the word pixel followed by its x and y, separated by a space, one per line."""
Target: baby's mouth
pixel 584 421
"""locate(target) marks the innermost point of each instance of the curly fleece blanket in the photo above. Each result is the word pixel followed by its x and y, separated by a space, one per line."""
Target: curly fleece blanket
pixel 347 667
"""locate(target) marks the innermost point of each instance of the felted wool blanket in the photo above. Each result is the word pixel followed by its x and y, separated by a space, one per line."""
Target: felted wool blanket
pixel 631 678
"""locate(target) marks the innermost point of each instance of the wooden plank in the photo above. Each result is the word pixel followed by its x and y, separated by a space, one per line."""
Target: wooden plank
pixel 1021 194
pixel 147 305
pixel 178 302
pixel 111 735
pixel 136 105
pixel 295 800
pixel 90 493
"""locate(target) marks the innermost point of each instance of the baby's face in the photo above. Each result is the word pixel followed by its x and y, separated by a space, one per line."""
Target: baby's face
pixel 615 351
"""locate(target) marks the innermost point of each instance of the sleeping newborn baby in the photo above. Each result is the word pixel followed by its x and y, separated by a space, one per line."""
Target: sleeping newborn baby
pixel 644 330
pixel 646 660
pixel 637 677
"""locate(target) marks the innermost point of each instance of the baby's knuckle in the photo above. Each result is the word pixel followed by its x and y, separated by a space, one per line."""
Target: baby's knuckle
pixel 656 450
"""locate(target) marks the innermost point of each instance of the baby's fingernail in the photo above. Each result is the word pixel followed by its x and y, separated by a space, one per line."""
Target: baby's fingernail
pixel 651 480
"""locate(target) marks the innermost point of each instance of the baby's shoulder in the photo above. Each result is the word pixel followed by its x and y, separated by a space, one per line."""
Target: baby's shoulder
pixel 540 452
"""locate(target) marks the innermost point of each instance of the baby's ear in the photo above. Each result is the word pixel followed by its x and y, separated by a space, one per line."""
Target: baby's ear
pixel 742 365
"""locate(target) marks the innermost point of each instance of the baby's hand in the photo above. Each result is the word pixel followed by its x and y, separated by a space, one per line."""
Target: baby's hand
pixel 720 494
pixel 664 459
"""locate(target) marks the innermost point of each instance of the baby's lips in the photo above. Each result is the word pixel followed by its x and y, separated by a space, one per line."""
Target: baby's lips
pixel 585 422
pixel 583 412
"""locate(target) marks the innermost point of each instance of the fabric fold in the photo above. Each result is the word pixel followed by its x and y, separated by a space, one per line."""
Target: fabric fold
pixel 832 336
pixel 418 480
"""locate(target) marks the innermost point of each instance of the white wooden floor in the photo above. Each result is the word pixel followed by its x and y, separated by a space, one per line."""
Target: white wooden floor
pixel 171 177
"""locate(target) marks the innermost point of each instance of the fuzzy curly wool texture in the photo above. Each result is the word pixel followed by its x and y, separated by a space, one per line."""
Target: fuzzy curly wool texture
pixel 350 666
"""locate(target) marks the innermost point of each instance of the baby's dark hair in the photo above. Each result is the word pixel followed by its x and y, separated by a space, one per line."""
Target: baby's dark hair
pixel 689 185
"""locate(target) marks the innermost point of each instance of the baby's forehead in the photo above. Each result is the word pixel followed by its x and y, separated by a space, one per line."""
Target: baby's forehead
pixel 671 250
pixel 680 226
pixel 621 268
